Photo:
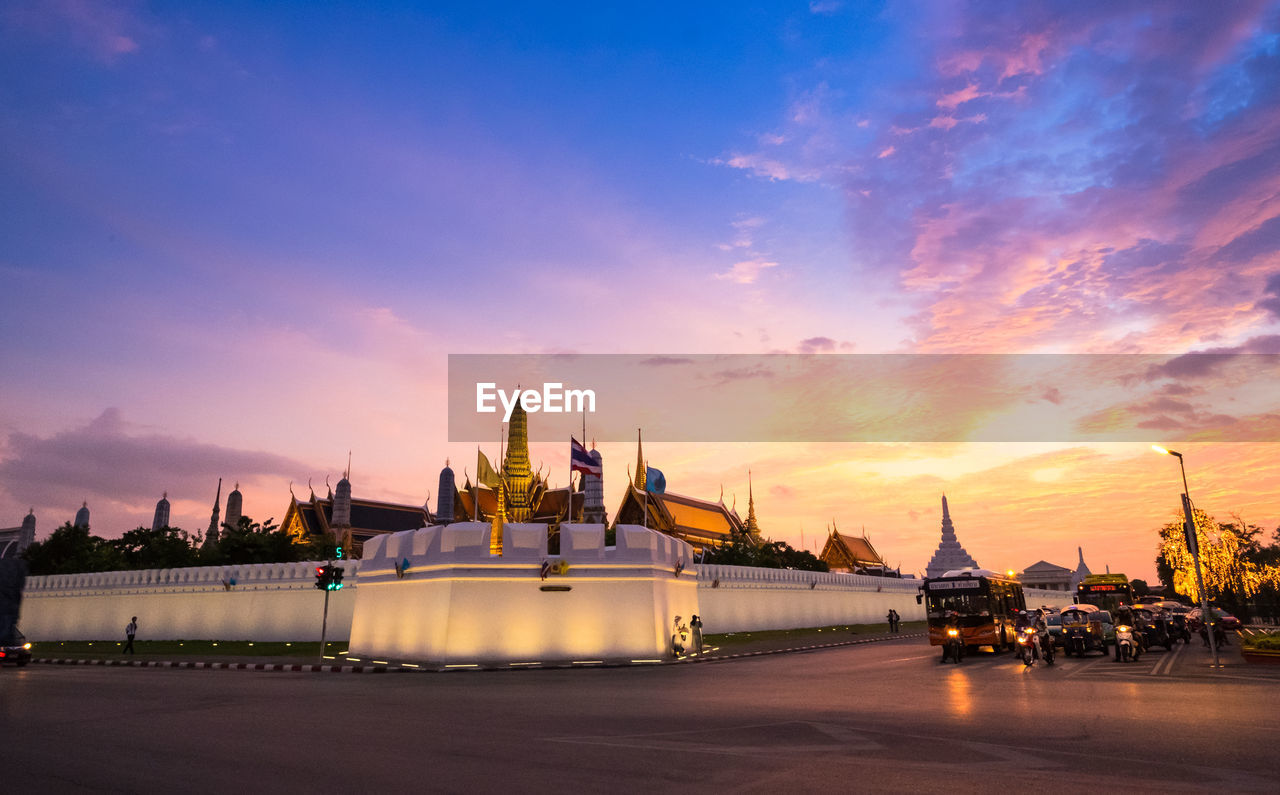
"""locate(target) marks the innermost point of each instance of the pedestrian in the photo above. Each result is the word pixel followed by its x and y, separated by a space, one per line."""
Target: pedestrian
pixel 695 626
pixel 889 617
pixel 897 619
pixel 129 632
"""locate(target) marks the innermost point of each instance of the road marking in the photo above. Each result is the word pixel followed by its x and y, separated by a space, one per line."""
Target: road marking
pixel 1167 662
pixel 1089 666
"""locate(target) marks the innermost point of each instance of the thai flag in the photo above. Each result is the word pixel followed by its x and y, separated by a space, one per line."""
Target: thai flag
pixel 581 461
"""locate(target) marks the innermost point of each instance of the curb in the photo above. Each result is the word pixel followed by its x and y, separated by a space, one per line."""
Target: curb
pixel 395 668
pixel 763 652
pixel 290 667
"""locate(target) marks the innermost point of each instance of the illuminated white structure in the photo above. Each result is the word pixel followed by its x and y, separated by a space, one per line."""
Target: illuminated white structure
pixel 438 594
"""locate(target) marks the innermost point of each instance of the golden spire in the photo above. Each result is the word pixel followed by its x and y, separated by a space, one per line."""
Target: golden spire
pixel 499 516
pixel 516 469
pixel 753 527
pixel 641 482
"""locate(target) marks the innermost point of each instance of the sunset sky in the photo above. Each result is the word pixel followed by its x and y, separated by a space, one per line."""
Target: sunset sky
pixel 239 240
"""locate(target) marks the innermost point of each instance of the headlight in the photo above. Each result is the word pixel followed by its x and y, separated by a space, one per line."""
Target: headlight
pixel 953 633
pixel 1123 628
pixel 26 646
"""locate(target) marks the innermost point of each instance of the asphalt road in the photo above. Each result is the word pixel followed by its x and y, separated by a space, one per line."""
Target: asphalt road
pixel 876 717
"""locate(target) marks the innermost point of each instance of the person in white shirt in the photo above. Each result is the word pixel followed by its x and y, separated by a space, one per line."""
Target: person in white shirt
pixel 129 632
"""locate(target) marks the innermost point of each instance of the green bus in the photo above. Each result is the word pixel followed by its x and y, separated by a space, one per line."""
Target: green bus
pixel 1105 591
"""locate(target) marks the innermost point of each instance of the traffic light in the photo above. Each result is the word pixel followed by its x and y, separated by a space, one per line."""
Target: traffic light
pixel 329 578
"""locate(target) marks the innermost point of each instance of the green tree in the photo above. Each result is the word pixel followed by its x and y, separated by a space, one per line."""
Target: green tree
pixel 1140 587
pixel 253 542
pixel 166 548
pixel 1232 563
pixel 72 549
pixel 768 555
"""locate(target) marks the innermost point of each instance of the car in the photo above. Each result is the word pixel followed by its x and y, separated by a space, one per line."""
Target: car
pixel 1229 622
pixel 15 649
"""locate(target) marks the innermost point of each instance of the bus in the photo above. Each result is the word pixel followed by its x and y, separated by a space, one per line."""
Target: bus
pixel 1105 591
pixel 985 603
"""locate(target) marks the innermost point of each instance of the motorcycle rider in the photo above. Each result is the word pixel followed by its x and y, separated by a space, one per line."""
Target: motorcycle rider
pixel 1042 629
pixel 1124 616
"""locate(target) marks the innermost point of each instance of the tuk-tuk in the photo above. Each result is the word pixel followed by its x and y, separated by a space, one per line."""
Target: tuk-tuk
pixel 1152 624
pixel 1178 629
pixel 1082 629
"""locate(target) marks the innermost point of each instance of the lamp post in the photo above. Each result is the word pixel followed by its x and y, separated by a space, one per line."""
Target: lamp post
pixel 1193 544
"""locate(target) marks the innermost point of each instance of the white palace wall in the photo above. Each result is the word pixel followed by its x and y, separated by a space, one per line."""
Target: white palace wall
pixel 258 602
pixel 452 602
pixel 455 598
pixel 748 599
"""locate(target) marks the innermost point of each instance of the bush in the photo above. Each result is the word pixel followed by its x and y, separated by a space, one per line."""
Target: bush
pixel 1267 641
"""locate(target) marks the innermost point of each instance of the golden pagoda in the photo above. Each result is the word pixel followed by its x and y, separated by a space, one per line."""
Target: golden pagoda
pixel 515 493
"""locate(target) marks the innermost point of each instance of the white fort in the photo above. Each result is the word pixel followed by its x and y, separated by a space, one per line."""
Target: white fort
pixel 439 594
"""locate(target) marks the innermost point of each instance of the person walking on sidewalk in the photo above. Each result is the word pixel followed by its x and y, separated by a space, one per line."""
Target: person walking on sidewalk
pixel 129 632
pixel 889 618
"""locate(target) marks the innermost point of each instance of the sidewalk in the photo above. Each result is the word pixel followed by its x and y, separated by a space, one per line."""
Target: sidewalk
pixel 718 648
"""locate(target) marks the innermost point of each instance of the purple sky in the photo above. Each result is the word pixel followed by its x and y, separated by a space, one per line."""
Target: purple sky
pixel 240 241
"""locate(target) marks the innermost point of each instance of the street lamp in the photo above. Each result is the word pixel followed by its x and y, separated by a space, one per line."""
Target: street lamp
pixel 1193 545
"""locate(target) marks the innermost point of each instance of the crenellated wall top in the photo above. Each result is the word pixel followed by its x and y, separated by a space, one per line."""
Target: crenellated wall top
pixel 581 544
pixel 249 574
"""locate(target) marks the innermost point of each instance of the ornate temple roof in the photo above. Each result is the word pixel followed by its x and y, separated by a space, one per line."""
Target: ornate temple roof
pixel 548 506
pixel 368 517
pixel 700 522
pixel 847 552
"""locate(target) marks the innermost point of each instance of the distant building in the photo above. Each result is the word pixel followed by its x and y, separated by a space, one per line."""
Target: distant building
pixel 211 535
pixel 850 553
pixel 949 554
pixel 161 518
pixel 1081 571
pixel 14 540
pixel 235 507
pixel 1044 574
pixel 82 516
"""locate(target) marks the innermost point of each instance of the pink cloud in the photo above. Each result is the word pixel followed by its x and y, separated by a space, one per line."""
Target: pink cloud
pixel 747 271
pixel 956 98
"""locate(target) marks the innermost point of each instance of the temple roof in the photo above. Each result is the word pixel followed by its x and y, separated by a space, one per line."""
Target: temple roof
pixel 366 515
pixel 697 521
pixel 550 504
pixel 1045 567
pixel 850 551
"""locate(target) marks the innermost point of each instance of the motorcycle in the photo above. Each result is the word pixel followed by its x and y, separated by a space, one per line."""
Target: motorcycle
pixel 1127 647
pixel 953 649
pixel 1033 644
